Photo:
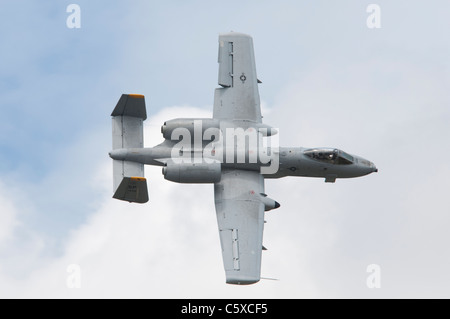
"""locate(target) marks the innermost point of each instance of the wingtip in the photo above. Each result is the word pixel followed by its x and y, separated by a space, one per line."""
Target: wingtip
pixel 237 278
pixel 234 34
pixel 242 282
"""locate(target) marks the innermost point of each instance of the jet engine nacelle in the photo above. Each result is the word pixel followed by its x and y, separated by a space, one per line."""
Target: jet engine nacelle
pixel 194 126
pixel 197 127
pixel 192 172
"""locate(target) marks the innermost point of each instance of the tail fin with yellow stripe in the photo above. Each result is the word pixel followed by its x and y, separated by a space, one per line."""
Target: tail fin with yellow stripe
pixel 132 189
pixel 127 132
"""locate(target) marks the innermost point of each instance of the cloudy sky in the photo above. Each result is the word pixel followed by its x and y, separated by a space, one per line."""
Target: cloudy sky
pixel 328 80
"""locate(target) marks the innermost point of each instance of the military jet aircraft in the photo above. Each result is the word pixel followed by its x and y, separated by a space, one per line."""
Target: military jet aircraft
pixel 233 150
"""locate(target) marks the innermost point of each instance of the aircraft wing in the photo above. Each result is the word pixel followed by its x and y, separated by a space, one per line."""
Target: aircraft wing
pixel 240 217
pixel 238 99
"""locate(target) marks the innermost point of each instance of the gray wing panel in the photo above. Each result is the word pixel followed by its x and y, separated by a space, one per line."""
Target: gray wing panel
pixel 238 99
pixel 240 217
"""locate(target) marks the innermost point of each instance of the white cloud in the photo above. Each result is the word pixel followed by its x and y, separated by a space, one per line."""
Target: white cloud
pixel 8 216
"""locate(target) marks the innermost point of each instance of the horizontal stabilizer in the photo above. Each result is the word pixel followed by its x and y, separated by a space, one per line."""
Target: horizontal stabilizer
pixel 123 169
pixel 132 189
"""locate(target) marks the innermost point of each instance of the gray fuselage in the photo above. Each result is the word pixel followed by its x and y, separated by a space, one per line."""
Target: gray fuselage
pixel 292 161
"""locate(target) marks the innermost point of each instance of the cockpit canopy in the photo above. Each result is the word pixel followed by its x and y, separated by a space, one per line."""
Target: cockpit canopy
pixel 330 155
